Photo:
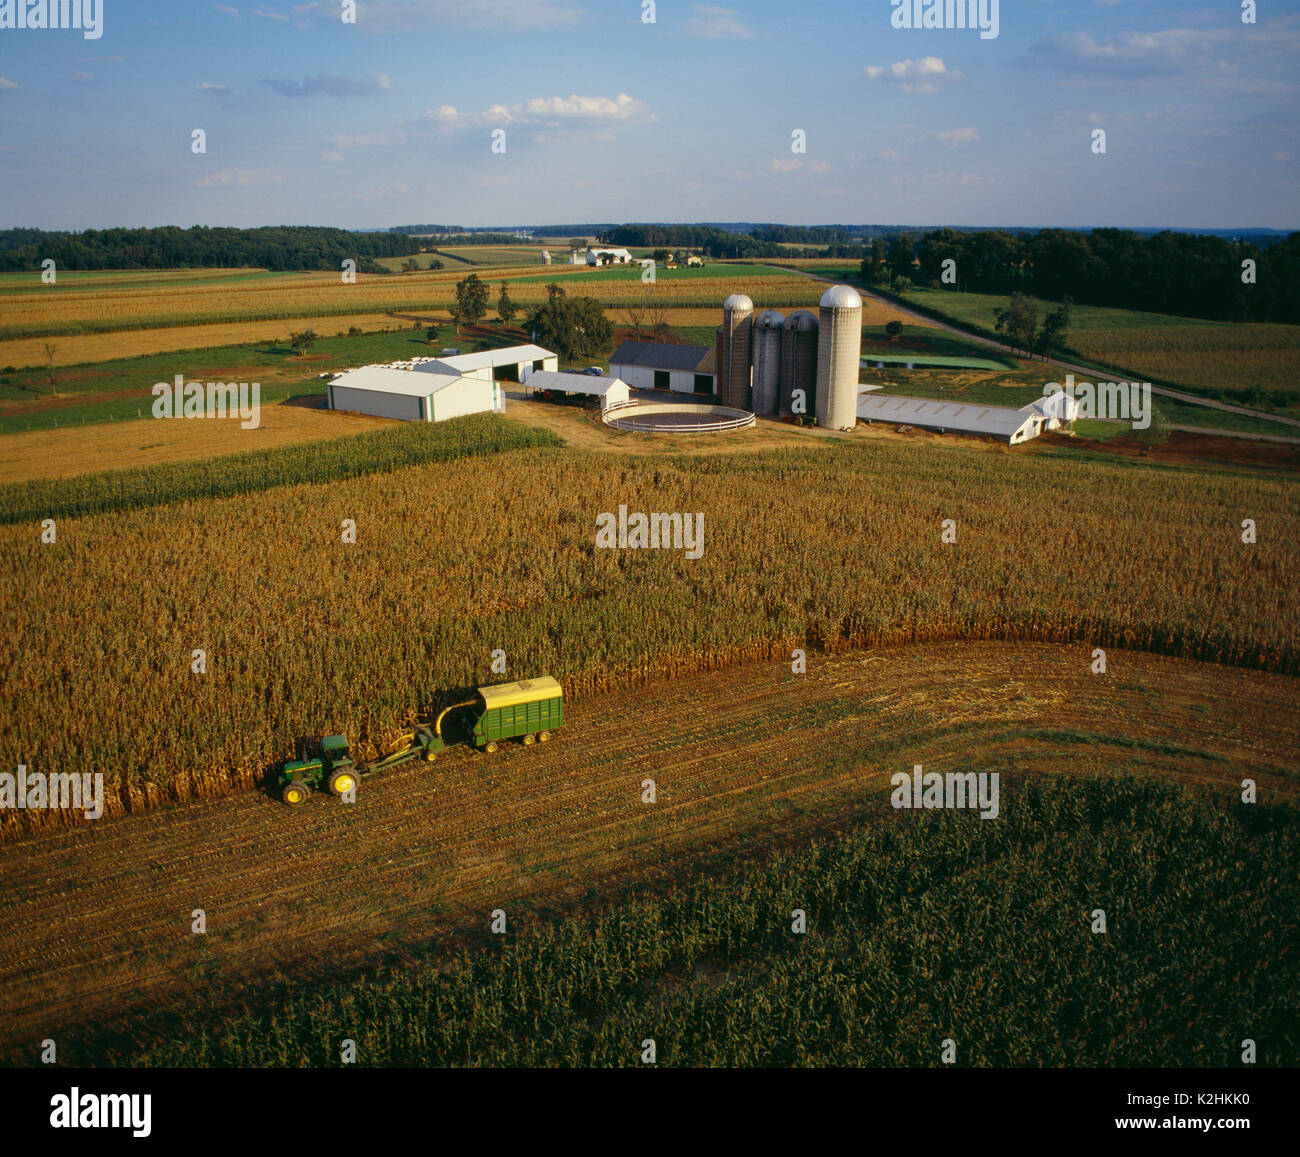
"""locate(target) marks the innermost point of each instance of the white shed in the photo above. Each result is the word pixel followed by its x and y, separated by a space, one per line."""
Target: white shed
pixel 608 390
pixel 1001 422
pixel 608 257
pixel 392 392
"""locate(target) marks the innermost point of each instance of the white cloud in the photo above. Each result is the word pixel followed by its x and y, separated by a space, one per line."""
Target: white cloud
pixel 959 136
pixel 786 164
pixel 890 154
pixel 267 14
pixel 714 23
pixel 84 77
pixel 621 107
pixel 227 9
pixel 208 86
pixel 6 83
pixel 332 85
pixel 924 75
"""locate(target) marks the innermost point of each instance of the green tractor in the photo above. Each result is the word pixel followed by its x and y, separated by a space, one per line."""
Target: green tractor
pixel 530 711
pixel 323 763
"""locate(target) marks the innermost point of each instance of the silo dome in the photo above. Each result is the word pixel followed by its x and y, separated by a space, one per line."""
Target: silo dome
pixel 801 320
pixel 770 319
pixel 841 297
pixel 738 303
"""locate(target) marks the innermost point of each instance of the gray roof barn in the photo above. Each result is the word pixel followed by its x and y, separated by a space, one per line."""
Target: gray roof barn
pixel 698 359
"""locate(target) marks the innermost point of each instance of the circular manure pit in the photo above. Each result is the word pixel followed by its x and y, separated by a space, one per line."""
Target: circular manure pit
pixel 676 418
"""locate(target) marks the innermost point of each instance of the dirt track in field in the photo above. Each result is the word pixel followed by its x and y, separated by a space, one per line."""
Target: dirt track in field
pixel 95 921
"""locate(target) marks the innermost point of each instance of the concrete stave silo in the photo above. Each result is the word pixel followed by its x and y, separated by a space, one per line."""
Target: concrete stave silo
pixel 799 362
pixel 735 340
pixel 767 361
pixel 839 353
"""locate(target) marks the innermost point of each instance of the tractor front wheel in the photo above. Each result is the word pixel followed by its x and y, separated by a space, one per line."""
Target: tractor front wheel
pixel 295 792
pixel 342 781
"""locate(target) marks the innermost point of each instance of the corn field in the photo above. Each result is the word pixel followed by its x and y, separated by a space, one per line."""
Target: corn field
pixel 72 311
pixel 921 926
pixel 834 547
pixel 408 444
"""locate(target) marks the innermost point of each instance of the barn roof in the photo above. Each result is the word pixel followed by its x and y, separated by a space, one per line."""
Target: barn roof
pixel 395 380
pixel 573 383
pixel 665 356
pixel 510 355
pixel 973 419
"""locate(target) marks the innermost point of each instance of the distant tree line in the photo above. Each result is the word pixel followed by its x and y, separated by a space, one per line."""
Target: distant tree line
pixel 278 247
pixel 449 235
pixel 1191 275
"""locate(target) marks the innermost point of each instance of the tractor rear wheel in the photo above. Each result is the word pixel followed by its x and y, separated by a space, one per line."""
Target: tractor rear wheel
pixel 529 740
pixel 490 748
pixel 296 792
pixel 342 780
pixel 543 736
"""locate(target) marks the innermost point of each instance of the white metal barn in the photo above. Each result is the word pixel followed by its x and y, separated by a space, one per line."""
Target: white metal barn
pixel 608 390
pixel 512 364
pixel 392 392
pixel 1001 422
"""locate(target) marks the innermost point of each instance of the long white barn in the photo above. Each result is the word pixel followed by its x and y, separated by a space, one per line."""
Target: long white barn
pixel 435 389
pixel 1002 422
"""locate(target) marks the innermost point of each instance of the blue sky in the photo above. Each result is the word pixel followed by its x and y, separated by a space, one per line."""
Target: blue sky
pixel 609 118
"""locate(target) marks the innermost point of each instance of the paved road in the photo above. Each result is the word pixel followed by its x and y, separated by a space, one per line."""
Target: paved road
pixel 1089 374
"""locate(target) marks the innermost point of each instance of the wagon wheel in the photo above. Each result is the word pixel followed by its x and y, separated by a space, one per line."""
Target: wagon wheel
pixel 295 792
pixel 490 747
pixel 529 740
pixel 342 780
pixel 543 736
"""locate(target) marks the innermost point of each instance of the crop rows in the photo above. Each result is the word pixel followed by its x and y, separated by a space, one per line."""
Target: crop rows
pixel 830 547
pixel 65 314
pixel 921 927
pixel 409 444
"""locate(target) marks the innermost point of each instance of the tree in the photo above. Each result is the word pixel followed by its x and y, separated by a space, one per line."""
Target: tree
pixel 660 256
pixel 1019 321
pixel 1157 431
pixel 506 309
pixel 901 257
pixel 471 301
pixel 576 244
pixel 634 311
pixel 51 375
pixel 575 327
pixel 435 264
pixel 410 265
pixel 1056 327
pixel 900 285
pixel 302 342
pixel 894 328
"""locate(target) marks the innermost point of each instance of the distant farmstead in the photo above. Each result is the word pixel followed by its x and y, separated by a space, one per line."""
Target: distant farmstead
pixel 608 257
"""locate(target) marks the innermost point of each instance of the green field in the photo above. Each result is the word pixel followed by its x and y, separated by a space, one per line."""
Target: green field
pixel 1238 363
pixel 920 927
pixel 20 389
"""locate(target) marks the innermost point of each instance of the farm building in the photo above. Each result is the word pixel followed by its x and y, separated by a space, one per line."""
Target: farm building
pixel 512 364
pixel 1001 422
pixel 684 369
pixel 608 257
pixel 431 396
pixel 610 391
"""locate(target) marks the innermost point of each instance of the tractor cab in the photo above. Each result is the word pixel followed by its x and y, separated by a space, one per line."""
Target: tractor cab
pixel 323 763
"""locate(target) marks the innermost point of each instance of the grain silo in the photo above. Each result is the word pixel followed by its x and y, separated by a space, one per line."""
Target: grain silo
pixel 839 353
pixel 799 362
pixel 767 361
pixel 734 340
